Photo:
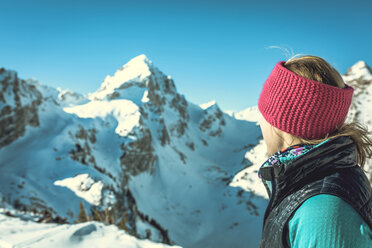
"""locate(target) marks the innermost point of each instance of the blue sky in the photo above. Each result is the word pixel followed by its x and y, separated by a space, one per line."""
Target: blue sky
pixel 214 50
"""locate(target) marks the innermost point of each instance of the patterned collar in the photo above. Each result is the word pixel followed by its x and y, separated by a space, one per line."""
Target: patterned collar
pixel 284 156
pixel 287 154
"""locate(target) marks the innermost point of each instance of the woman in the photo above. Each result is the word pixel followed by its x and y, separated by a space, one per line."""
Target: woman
pixel 319 194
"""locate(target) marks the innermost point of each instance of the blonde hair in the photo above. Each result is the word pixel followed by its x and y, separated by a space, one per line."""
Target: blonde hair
pixel 316 68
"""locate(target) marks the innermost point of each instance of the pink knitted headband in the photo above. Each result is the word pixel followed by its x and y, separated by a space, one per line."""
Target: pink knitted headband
pixel 303 107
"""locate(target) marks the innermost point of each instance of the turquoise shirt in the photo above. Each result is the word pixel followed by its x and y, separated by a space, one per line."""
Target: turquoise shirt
pixel 322 221
pixel 327 221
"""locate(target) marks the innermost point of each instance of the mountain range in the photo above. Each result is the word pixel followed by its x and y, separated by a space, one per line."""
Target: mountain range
pixel 136 159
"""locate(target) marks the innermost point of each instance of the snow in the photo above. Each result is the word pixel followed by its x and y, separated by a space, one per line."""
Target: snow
pixel 70 98
pixel 359 76
pixel 125 112
pixel 362 97
pixel 25 94
pixel 9 97
pixel 137 69
pixel 358 70
pixel 145 97
pixel 85 187
pixel 194 192
pixel 249 114
pixel 15 232
pixel 48 93
pixel 143 228
pixel 197 194
pixel 30 165
pixel 208 104
pixel 247 179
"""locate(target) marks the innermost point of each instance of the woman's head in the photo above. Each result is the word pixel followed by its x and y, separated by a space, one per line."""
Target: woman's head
pixel 305 100
pixel 302 106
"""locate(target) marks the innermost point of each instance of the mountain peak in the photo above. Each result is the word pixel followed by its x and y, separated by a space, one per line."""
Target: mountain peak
pixel 359 70
pixel 142 58
pixel 139 66
pixel 136 70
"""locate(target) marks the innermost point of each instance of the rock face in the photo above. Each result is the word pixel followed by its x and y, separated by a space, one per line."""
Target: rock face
pixel 19 103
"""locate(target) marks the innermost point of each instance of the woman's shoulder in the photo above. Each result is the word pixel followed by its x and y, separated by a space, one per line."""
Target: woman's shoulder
pixel 328 221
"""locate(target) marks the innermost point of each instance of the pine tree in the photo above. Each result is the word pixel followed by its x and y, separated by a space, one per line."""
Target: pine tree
pixel 97 215
pixel 107 216
pixel 82 214
pixel 123 222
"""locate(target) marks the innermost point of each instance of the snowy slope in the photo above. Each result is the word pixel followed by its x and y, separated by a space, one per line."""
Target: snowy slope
pixel 139 148
pixel 23 232
pixel 51 160
pixel 197 152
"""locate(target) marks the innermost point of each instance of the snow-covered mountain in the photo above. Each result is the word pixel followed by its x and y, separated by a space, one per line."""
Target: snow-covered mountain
pixel 51 160
pixel 135 153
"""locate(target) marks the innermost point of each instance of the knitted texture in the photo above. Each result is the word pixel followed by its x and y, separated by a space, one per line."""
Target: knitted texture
pixel 301 106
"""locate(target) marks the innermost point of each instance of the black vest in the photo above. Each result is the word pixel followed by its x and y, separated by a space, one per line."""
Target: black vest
pixel 330 168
